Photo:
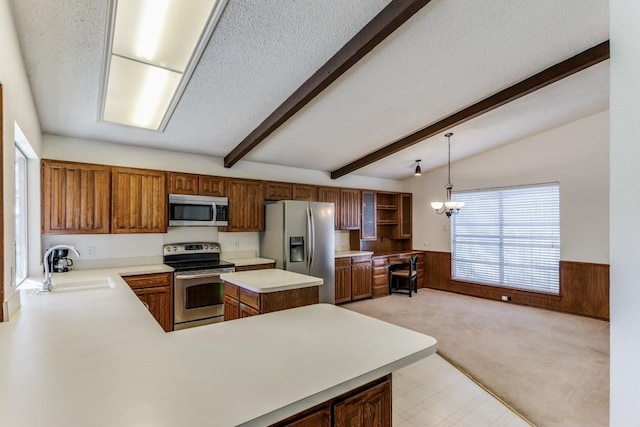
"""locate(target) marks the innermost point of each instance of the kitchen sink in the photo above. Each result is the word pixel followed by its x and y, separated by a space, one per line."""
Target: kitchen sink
pixel 84 285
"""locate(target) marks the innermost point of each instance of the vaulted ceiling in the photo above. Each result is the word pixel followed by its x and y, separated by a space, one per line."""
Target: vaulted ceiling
pixel 449 55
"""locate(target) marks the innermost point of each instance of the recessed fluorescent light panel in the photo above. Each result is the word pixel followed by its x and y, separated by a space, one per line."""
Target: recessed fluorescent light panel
pixel 153 47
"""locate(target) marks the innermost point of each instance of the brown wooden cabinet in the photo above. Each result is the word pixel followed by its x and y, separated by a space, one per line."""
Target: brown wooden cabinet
pixel 343 280
pixel 246 205
pixel 253 303
pixel 255 267
pixel 331 195
pixel 404 216
pixel 361 278
pixel 203 185
pixel 380 276
pixel 350 205
pixel 366 406
pixel 368 229
pixel 156 292
pixel 76 198
pixel 369 408
pixel 305 192
pixel 352 278
pixel 138 201
pixel 277 191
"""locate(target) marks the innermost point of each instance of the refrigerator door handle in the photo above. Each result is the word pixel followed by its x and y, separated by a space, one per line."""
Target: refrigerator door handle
pixel 313 238
pixel 308 257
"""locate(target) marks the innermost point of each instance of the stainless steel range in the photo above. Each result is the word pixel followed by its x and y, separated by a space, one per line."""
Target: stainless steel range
pixel 198 290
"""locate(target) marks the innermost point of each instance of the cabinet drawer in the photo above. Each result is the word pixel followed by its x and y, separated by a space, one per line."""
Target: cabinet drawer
pixel 149 280
pixel 252 299
pixel 381 271
pixel 380 280
pixel 231 290
pixel 255 267
pixel 362 258
pixel 380 262
pixel 343 262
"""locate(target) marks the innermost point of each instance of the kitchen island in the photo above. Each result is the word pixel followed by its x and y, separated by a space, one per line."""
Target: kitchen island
pixel 249 293
pixel 89 353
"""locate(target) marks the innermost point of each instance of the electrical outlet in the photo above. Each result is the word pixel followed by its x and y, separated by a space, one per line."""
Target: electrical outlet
pixel 236 244
pixel 90 251
pixel 506 298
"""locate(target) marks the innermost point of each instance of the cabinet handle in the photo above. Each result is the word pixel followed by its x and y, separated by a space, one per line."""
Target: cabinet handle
pixel 146 305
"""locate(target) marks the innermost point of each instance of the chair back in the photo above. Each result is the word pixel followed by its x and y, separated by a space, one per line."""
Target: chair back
pixel 413 263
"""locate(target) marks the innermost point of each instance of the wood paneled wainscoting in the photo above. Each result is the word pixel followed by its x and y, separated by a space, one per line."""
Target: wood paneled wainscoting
pixel 584 287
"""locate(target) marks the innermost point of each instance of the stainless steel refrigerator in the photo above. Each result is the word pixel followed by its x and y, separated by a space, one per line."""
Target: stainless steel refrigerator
pixel 299 236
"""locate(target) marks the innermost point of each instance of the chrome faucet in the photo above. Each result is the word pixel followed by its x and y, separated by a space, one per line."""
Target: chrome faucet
pixel 46 283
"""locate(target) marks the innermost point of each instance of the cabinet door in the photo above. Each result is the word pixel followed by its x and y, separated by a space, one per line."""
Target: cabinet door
pixel 183 183
pixel 247 311
pixel 211 185
pixel 349 209
pixel 319 418
pixel 246 205
pixel 139 201
pixel 305 192
pixel 159 300
pixel 75 198
pixel 331 195
pixel 404 223
pixel 361 277
pixel 369 408
pixel 343 284
pixel 231 308
pixel 277 191
pixel 368 228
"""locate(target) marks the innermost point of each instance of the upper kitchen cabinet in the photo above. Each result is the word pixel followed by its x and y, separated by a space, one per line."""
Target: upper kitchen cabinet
pixel 277 191
pixel 350 205
pixel 331 195
pixel 204 185
pixel 404 213
pixel 246 205
pixel 305 192
pixel 369 224
pixel 75 198
pixel 139 201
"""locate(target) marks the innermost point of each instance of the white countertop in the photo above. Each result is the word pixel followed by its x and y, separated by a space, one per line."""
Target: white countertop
pixel 271 280
pixel 97 357
pixel 345 254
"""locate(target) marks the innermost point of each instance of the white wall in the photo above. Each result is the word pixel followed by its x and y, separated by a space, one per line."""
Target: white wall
pixel 120 249
pixel 625 211
pixel 18 108
pixel 576 155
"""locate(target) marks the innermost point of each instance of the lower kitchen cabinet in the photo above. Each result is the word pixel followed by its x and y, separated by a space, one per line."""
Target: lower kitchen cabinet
pixel 369 408
pixel 240 302
pixel 255 267
pixel 352 278
pixel 156 292
pixel 366 406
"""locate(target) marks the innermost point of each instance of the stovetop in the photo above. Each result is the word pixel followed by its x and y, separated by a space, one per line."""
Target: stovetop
pixel 194 256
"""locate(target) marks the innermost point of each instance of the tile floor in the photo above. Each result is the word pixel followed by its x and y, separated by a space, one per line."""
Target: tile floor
pixel 432 393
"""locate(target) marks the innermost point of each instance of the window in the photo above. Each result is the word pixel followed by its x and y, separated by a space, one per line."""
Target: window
pixel 508 237
pixel 22 266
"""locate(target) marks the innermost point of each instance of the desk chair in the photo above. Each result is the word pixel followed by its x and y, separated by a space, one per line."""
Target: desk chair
pixel 405 272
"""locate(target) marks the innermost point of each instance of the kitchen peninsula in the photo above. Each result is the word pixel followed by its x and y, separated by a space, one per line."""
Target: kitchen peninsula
pixel 90 354
pixel 248 293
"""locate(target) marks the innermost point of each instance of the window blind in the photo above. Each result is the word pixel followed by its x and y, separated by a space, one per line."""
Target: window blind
pixel 508 237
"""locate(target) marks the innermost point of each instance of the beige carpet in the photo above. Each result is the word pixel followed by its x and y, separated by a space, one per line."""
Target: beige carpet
pixel 551 367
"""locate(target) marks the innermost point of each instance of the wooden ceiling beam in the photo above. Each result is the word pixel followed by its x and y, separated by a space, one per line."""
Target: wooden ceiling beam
pixel 382 25
pixel 544 78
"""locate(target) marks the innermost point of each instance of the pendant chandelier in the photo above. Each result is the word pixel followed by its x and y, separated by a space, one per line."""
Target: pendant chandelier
pixel 448 207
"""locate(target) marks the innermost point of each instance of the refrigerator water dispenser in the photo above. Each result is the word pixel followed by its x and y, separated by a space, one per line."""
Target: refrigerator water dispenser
pixel 296 249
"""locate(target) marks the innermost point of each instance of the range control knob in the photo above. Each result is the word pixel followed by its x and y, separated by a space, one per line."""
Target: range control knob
pixel 174 248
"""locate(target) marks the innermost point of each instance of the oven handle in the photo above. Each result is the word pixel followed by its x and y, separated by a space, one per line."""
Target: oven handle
pixel 196 276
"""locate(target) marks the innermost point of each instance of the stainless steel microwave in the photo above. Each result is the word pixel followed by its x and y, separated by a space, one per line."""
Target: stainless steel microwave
pixel 202 211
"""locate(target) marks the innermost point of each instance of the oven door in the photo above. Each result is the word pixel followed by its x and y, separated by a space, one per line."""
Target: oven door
pixel 198 297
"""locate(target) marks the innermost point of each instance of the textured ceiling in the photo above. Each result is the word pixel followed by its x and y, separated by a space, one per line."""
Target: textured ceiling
pixel 449 55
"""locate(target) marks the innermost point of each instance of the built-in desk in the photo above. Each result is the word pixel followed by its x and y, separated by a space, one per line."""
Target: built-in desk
pixel 381 262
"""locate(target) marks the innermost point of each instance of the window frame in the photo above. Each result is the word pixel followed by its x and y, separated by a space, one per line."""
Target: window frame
pixel 21 206
pixel 509 230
